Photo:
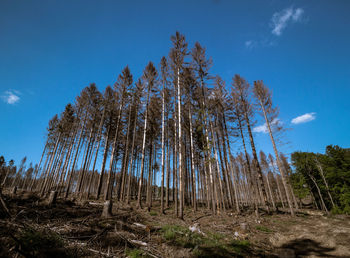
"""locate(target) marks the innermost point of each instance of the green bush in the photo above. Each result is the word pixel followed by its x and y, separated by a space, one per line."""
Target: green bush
pixel 336 210
pixel 134 253
pixel 346 210
pixel 181 236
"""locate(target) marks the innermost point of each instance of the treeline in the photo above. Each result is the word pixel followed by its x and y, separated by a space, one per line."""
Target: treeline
pixel 326 177
pixel 177 124
pixel 11 176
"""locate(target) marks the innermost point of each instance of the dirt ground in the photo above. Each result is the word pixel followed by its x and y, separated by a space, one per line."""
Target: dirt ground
pixel 73 228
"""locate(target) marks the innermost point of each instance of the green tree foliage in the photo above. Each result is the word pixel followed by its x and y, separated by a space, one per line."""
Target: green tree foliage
pixel 335 166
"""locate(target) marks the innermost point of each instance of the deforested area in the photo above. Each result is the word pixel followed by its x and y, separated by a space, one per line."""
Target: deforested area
pixel 179 158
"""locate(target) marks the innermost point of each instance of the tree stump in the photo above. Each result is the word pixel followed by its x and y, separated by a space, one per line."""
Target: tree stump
pixel 107 209
pixel 52 198
pixel 244 227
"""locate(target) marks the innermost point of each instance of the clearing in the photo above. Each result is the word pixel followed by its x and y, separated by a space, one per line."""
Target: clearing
pixel 73 228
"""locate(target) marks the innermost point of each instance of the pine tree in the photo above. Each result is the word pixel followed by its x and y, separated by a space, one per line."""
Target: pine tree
pixel 150 79
pixel 263 96
pixel 241 90
pixel 177 56
pixel 122 85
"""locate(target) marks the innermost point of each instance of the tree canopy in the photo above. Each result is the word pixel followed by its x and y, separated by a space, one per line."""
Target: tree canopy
pixel 330 172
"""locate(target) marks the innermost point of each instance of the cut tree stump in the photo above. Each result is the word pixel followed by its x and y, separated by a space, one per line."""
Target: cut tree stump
pixel 244 227
pixel 107 209
pixel 52 198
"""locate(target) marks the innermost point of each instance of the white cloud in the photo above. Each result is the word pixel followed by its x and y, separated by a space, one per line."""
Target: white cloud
pixel 263 128
pixel 260 129
pixel 11 96
pixel 297 14
pixel 304 118
pixel 250 44
pixel 281 19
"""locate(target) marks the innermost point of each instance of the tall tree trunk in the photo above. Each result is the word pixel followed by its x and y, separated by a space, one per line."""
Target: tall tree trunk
pixel 149 181
pixel 252 185
pixel 217 164
pixel 270 191
pixel 143 152
pixel 43 171
pixel 181 212
pixel 103 165
pixel 284 180
pixel 50 164
pixel 75 158
pixel 131 153
pixel 235 187
pixel 126 157
pixel 256 163
pixel 167 168
pixel 68 156
pixel 82 172
pixel 279 190
pixel 192 162
pixel 175 174
pixel 56 167
pixel 224 168
pixel 319 166
pixel 175 154
pixel 319 193
pixel 163 152
pixel 36 169
pixel 109 186
pixel 67 163
pixel 99 135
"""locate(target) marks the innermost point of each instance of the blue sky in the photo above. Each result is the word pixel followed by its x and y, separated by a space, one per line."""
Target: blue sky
pixel 51 50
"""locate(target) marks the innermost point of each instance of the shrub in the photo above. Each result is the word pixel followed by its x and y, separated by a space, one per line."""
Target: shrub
pixel 134 253
pixel 210 245
pixel 181 236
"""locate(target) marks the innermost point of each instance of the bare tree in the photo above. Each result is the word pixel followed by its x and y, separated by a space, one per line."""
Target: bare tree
pixel 263 95
pixel 150 77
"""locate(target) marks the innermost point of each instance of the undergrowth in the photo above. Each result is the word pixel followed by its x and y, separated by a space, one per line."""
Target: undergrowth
pixel 153 213
pixel 33 243
pixel 264 229
pixel 204 245
pixel 135 253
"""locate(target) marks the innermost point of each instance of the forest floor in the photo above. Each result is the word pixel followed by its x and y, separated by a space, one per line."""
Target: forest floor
pixel 75 229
